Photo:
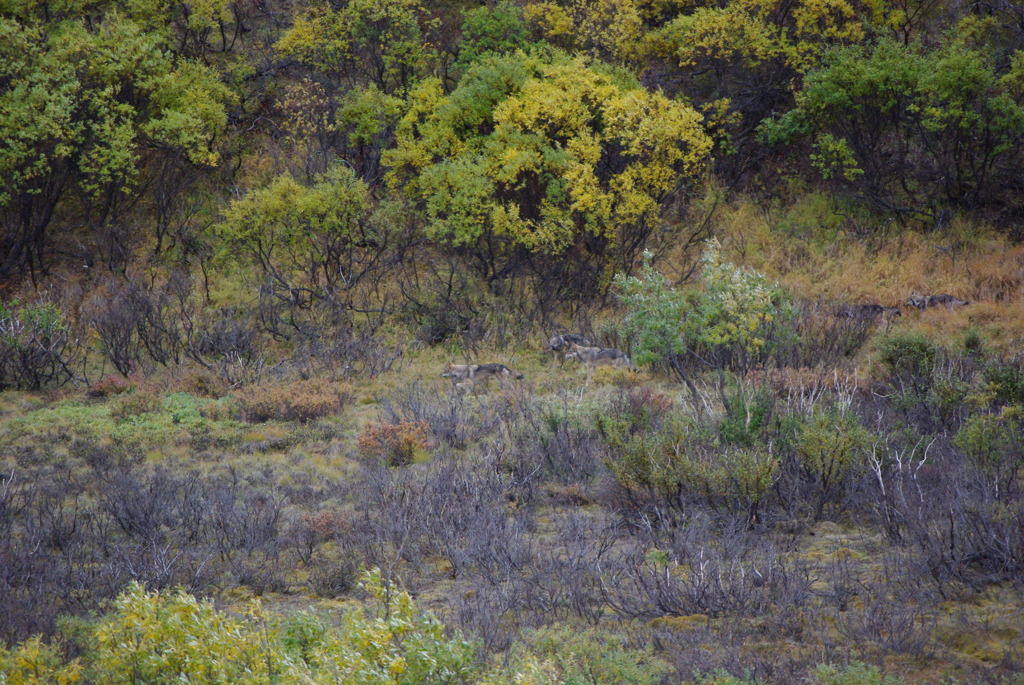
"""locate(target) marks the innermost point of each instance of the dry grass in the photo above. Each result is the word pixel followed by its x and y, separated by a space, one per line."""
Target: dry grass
pixel 806 249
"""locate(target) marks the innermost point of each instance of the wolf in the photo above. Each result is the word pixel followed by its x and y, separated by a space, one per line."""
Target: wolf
pixel 592 357
pixel 466 376
pixel 562 343
pixel 919 301
pixel 948 301
pixel 558 343
pixel 868 312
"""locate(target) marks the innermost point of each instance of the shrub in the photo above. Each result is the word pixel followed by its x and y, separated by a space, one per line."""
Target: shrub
pixel 171 637
pixel 34 663
pixel 722 677
pixel 199 382
pixel 852 674
pixel 747 414
pixel 910 359
pixel 112 384
pixel 993 444
pixel 1005 378
pixel 736 323
pixel 141 400
pixel 832 446
pixel 36 347
pixel 153 637
pixel 296 401
pixel 593 657
pixel 395 444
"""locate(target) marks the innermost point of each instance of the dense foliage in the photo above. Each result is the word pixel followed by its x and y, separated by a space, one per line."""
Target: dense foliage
pixel 240 239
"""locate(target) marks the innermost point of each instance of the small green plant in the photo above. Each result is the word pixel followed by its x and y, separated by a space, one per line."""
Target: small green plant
pixel 1005 379
pixel 746 418
pixel 722 677
pixel 593 657
pixel 854 673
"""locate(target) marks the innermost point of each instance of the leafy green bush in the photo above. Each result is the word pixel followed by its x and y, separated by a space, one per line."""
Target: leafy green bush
pixel 676 460
pixel 171 637
pixel 994 444
pixel 34 662
pixel 721 677
pixel 832 447
pixel 493 29
pixel 594 657
pixel 910 126
pixel 909 359
pixel 733 324
pixel 1005 379
pixel 746 418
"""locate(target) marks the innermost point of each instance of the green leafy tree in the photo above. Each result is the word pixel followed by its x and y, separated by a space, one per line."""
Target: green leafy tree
pixel 494 29
pixel 366 119
pixel 610 30
pixel 83 108
pixel 363 42
pixel 547 162
pixel 312 244
pixel 911 128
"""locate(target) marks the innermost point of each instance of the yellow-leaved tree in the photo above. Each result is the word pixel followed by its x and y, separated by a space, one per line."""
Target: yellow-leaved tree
pixel 545 162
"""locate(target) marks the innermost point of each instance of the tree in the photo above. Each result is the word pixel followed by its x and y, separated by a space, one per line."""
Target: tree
pixel 498 29
pixel 363 42
pixel 610 30
pixel 730 325
pixel 82 107
pixel 312 244
pixel 908 128
pixel 546 161
pixel 741 58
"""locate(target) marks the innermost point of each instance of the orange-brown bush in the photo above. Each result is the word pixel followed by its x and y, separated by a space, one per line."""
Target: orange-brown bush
pixel 143 399
pixel 297 401
pixel 395 444
pixel 200 383
pixel 112 384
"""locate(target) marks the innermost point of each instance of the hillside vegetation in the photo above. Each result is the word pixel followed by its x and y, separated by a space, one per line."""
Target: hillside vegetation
pixel 242 240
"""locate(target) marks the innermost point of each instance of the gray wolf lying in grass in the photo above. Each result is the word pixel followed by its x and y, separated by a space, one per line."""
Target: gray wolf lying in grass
pixel 926 301
pixel 868 312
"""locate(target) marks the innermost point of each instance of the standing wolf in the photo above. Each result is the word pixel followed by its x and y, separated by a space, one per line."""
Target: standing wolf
pixel 592 357
pixel 466 376
pixel 868 312
pixel 563 343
